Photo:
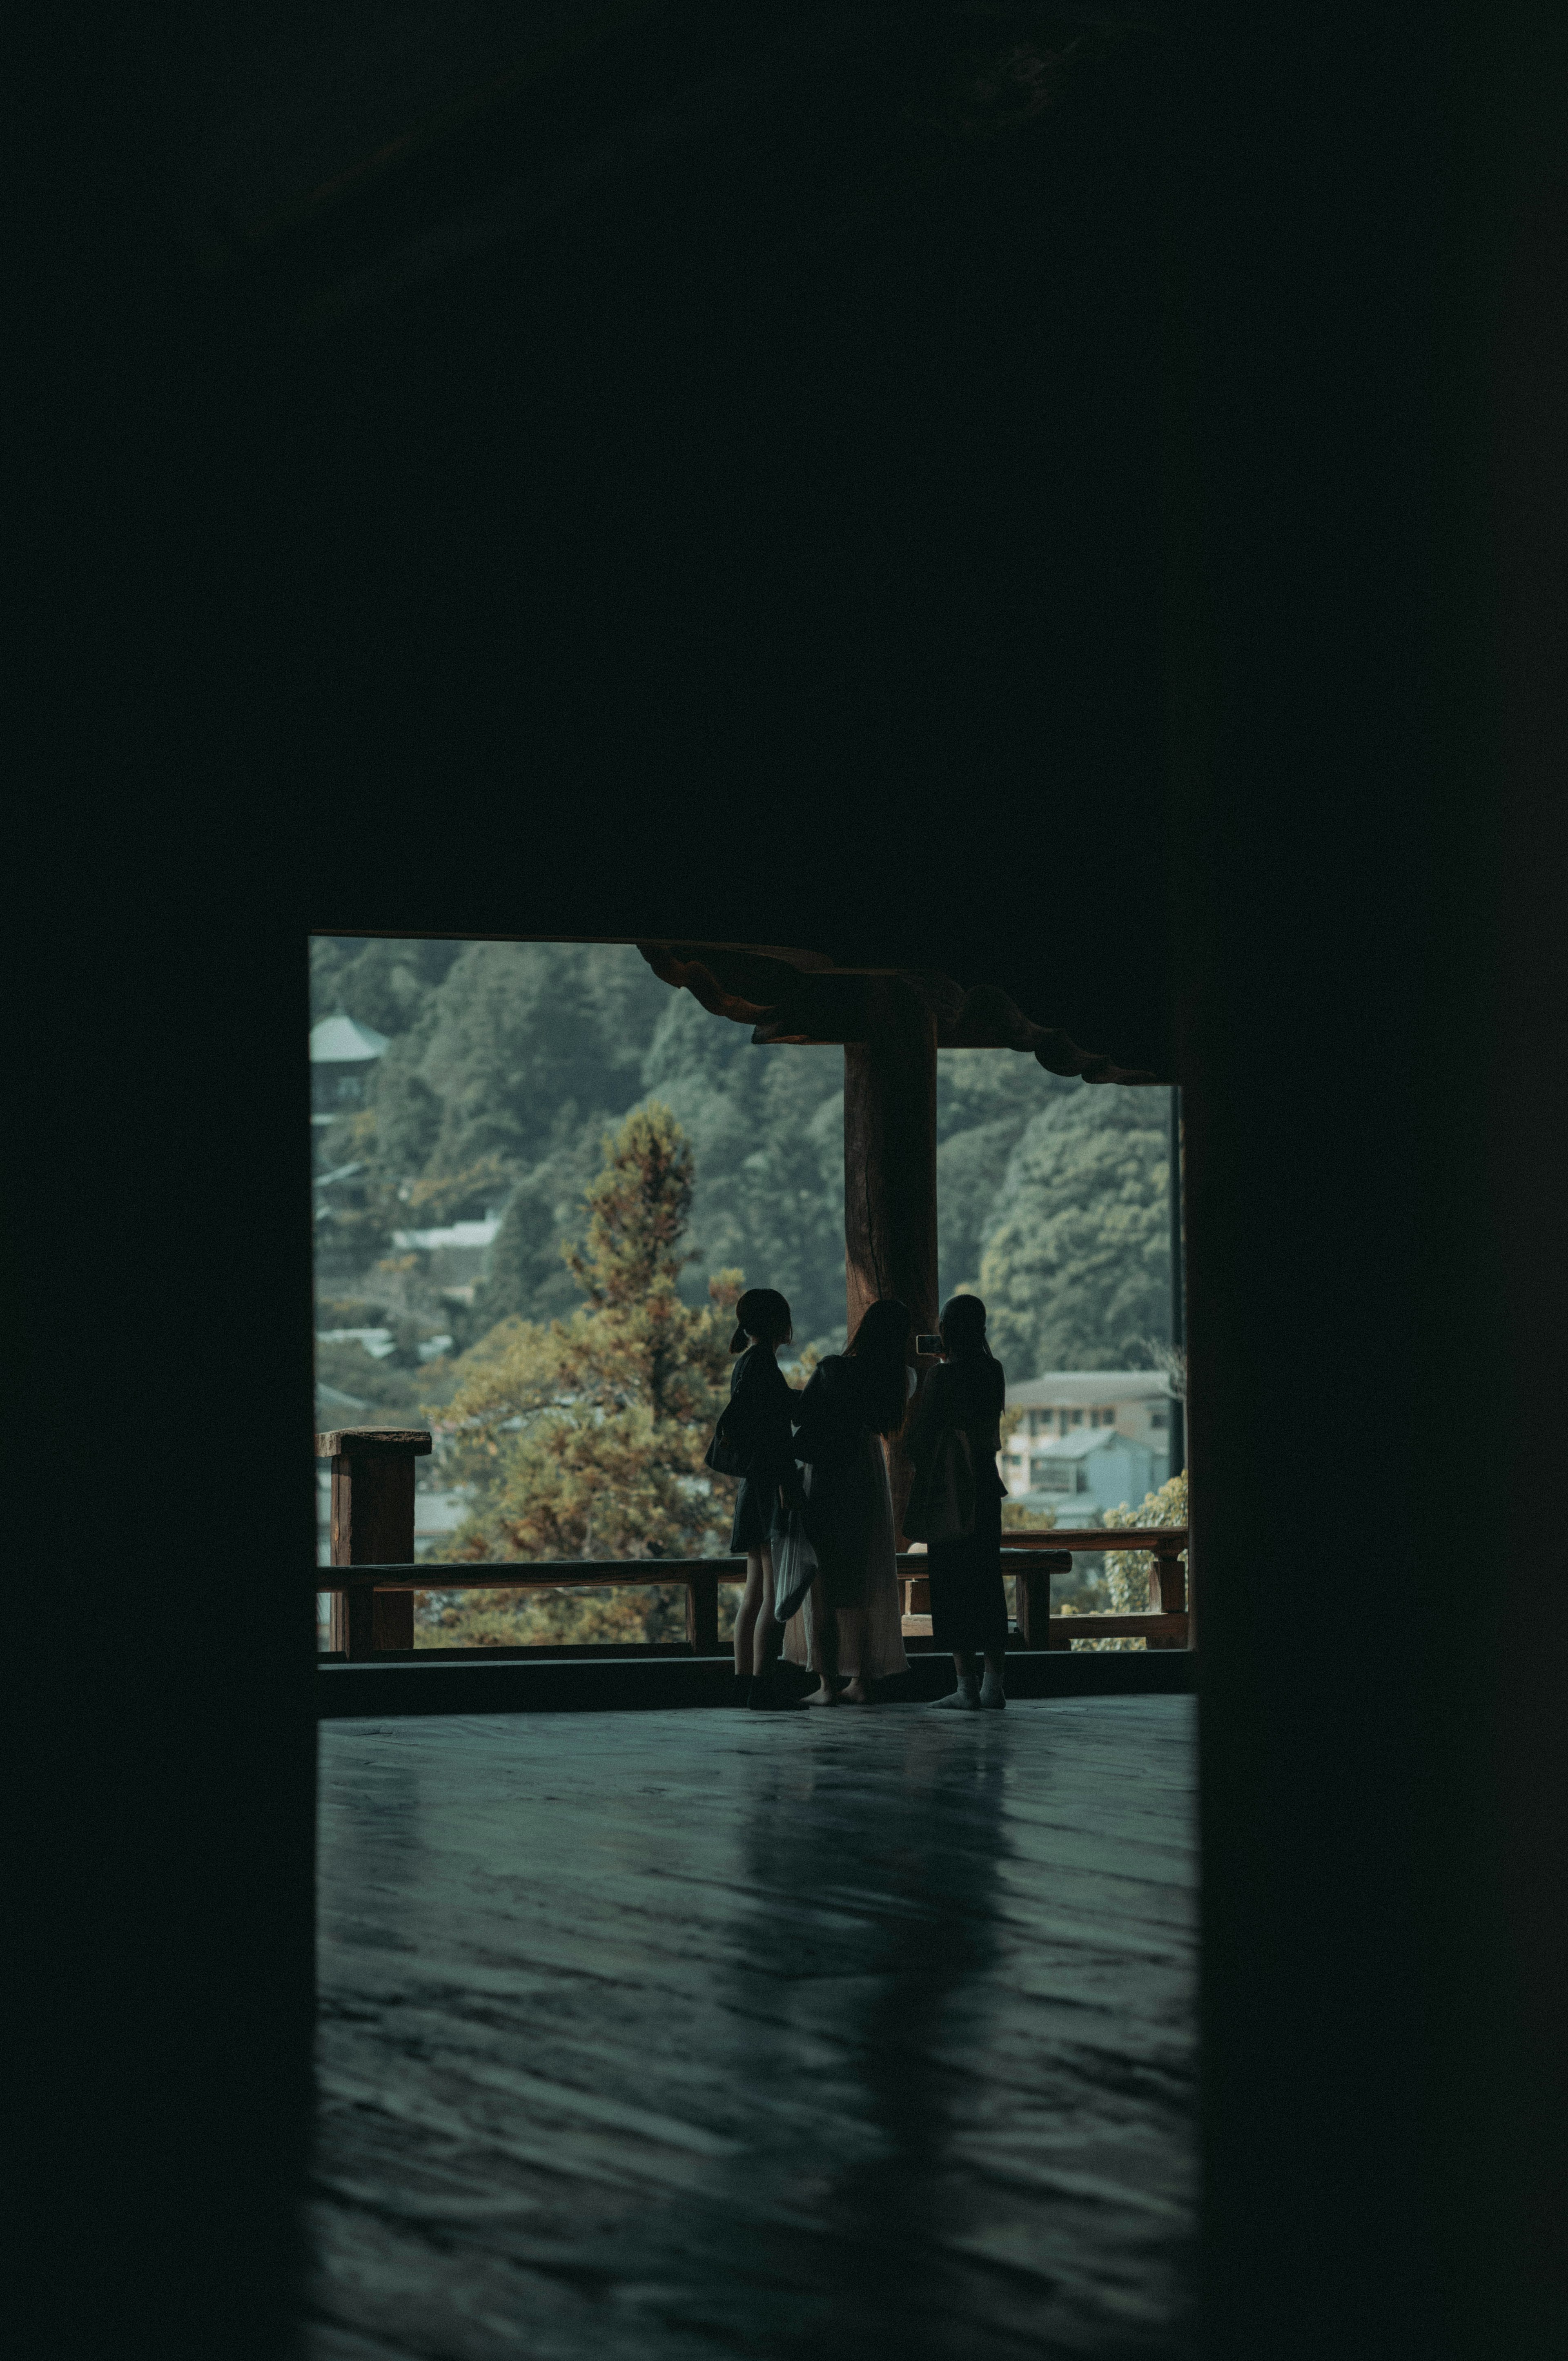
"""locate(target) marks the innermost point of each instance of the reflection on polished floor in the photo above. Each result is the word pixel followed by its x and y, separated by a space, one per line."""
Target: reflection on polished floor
pixel 681 2034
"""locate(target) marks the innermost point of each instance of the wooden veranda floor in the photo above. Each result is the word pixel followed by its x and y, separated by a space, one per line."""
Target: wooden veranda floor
pixel 681 2034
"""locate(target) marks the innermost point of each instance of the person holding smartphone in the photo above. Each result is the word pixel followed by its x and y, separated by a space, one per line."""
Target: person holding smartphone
pixel 851 1622
pixel 958 1418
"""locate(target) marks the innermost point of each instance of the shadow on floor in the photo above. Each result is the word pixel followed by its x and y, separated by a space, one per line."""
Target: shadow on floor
pixel 681 2034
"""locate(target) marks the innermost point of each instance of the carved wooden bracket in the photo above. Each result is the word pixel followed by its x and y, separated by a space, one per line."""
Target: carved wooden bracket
pixel 818 1003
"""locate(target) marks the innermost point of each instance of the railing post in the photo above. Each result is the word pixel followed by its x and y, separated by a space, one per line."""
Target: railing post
pixel 1168 1590
pixel 889 1172
pixel 373 1524
pixel 1037 1628
pixel 702 1613
pixel 1033 1601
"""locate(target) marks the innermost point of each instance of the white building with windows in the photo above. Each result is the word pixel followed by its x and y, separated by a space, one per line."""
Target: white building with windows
pixel 458 1255
pixel 1087 1440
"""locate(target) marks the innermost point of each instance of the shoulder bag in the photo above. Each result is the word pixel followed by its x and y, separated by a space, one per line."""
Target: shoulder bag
pixel 941 1499
pixel 730 1452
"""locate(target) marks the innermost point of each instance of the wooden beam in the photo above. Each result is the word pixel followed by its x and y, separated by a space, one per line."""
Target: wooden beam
pixel 1163 1541
pixel 371 1442
pixel 589 1574
pixel 534 1574
pixel 1158 1630
pixel 889 1172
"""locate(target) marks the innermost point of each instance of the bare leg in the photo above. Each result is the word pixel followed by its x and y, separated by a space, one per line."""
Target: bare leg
pixel 758 1584
pixel 767 1636
pixel 852 1643
pixel 991 1692
pixel 825 1650
pixel 966 1697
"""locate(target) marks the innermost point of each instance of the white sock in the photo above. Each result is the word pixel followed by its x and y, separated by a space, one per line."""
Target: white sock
pixel 965 1696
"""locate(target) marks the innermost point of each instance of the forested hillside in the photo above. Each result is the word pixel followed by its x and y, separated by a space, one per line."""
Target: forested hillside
pixel 510 1060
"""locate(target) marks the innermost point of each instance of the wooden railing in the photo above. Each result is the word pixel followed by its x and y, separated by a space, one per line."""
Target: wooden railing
pixel 373 1576
pixel 1032 1558
pixel 367 1590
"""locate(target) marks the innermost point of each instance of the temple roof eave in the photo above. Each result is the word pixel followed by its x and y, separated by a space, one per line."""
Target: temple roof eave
pixel 785 1001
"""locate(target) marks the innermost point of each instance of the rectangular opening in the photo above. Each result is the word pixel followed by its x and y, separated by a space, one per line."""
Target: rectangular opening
pixel 465 1100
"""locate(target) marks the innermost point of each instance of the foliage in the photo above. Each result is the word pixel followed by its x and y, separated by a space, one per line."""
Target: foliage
pixel 985 1098
pixel 519 1032
pixel 1126 1574
pixel 500 1053
pixel 627 1615
pixel 527 1277
pixel 383 981
pixel 508 1061
pixel 1126 1571
pixel 586 1438
pixel 767 1129
pixel 1076 1269
pixel 632 1616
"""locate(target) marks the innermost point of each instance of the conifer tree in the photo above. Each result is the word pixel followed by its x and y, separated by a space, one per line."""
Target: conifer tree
pixel 586 1438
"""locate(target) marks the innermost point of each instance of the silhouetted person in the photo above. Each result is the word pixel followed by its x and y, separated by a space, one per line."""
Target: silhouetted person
pixel 853 1619
pixel 761 1406
pixel 963 1396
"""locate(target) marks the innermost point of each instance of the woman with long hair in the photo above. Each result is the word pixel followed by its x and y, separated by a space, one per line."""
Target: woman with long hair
pixel 851 1622
pixel 963 1397
pixel 762 1404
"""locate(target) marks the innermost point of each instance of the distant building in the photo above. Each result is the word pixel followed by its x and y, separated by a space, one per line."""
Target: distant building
pixel 1088 1440
pixel 459 1253
pixel 342 1058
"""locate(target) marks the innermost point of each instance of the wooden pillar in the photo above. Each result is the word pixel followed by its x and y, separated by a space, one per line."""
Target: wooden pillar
pixel 1167 1592
pixel 373 1524
pixel 890 1169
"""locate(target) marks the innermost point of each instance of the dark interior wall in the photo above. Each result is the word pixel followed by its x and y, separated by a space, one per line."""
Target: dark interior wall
pixel 494 609
pixel 160 1511
pixel 1368 569
pixel 157 1491
pixel 311 618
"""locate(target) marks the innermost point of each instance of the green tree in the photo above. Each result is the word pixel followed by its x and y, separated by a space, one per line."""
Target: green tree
pixel 527 1277
pixel 508 1061
pixel 383 981
pixel 586 1438
pixel 1076 1272
pixel 518 1030
pixel 985 1099
pixel 766 1124
pixel 1126 1576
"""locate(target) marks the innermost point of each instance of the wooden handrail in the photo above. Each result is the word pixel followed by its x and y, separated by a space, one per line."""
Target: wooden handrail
pixel 1163 1541
pixel 529 1574
pixel 1166 1626
pixel 374 1574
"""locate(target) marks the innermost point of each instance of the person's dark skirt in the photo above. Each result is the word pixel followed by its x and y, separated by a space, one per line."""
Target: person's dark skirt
pixel 754 1516
pixel 968 1607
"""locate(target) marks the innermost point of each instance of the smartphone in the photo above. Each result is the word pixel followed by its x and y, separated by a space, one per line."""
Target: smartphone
pixel 930 1347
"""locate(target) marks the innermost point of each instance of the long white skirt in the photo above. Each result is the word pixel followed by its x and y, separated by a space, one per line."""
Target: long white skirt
pixel 882 1621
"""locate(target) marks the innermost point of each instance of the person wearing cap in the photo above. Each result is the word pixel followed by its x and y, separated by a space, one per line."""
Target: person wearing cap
pixel 762 1405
